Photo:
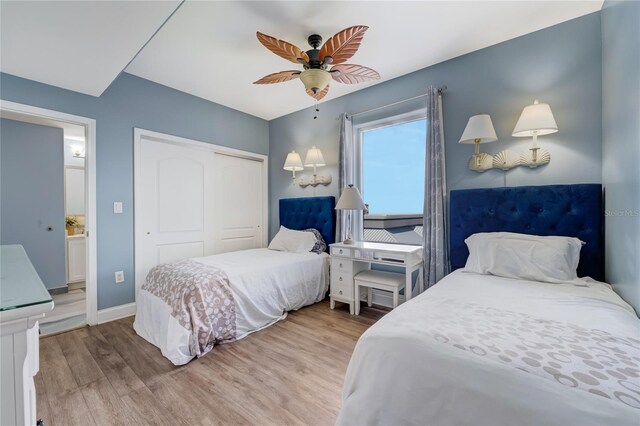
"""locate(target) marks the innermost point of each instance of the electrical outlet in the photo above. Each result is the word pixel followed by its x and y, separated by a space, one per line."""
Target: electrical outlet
pixel 119 277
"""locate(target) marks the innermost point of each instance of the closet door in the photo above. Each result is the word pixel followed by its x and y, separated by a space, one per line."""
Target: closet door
pixel 176 202
pixel 239 203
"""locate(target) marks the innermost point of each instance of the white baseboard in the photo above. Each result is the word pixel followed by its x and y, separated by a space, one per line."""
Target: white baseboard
pixel 117 312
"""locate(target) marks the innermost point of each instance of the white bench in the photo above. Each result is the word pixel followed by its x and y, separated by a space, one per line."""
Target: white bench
pixel 381 280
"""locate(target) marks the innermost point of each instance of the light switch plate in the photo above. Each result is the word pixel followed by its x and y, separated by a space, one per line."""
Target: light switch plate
pixel 117 207
pixel 119 277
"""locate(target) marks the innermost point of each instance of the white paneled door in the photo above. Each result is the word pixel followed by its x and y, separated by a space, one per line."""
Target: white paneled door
pixel 239 206
pixel 175 200
pixel 194 199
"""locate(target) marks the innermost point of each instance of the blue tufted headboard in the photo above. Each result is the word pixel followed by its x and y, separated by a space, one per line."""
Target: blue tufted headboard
pixel 310 212
pixel 565 210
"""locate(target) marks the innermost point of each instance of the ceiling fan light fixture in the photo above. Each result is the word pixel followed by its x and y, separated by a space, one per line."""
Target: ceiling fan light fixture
pixel 315 79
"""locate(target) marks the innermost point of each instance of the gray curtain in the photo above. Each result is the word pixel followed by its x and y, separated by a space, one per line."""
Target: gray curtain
pixel 349 174
pixel 435 244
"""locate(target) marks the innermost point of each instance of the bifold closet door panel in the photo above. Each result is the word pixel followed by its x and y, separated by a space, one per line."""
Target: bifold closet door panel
pixel 176 200
pixel 239 203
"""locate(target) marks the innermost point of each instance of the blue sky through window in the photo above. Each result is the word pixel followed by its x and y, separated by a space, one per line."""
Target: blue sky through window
pixel 393 168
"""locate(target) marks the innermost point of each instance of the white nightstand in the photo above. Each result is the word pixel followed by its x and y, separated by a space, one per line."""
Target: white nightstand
pixel 347 260
pixel 343 269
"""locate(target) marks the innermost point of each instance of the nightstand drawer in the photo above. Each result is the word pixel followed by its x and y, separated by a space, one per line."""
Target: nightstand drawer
pixel 342 289
pixel 341 265
pixel 338 251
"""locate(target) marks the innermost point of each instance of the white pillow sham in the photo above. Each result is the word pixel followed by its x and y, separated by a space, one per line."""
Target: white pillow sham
pixel 550 259
pixel 293 241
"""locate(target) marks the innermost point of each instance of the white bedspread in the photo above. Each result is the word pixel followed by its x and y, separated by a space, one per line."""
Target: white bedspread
pixel 265 285
pixel 484 350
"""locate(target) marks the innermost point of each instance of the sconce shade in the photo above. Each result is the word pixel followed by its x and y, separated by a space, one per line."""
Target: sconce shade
pixel 293 163
pixel 315 80
pixel 350 199
pixel 314 158
pixel 536 118
pixel 479 127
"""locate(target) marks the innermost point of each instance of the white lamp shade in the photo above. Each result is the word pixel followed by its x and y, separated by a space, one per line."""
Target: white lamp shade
pixel 479 127
pixel 293 163
pixel 314 158
pixel 350 199
pixel 536 118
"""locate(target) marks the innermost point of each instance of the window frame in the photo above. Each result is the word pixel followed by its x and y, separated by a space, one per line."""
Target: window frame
pixel 361 128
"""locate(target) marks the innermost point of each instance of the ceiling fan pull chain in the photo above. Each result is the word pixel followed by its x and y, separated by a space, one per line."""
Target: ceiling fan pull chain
pixel 315 117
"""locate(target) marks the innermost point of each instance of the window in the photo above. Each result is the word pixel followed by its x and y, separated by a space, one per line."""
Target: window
pixel 393 167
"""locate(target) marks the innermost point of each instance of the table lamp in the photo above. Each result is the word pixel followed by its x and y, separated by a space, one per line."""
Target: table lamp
pixel 350 200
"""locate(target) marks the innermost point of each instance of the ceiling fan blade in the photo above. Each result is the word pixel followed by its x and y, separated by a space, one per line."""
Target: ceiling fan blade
pixel 344 44
pixel 321 94
pixel 278 77
pixel 353 74
pixel 282 48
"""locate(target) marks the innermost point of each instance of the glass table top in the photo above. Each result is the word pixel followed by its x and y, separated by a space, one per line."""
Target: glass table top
pixel 20 284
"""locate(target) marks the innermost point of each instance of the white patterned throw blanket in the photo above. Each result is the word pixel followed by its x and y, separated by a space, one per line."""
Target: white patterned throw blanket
pixel 485 350
pixel 593 360
pixel 200 300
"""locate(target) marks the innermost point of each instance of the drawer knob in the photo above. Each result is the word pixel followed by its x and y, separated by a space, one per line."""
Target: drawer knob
pixel 341 265
pixel 340 279
pixel 340 251
pixel 340 292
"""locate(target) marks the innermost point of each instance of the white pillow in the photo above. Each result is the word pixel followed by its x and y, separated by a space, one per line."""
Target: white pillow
pixel 293 241
pixel 548 259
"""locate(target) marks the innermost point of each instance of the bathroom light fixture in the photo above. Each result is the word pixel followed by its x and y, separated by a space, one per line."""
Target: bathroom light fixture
pixel 479 130
pixel 78 153
pixel 535 120
pixel 315 159
pixel 293 163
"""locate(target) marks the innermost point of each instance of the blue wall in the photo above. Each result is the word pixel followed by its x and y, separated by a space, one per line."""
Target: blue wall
pixel 32 187
pixel 134 102
pixel 621 145
pixel 560 65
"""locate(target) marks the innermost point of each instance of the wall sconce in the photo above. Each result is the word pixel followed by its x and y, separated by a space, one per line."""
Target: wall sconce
pixel 293 163
pixel 535 120
pixel 315 159
pixel 479 130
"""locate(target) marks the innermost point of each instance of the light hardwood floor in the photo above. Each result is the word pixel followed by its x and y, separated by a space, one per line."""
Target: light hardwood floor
pixel 290 373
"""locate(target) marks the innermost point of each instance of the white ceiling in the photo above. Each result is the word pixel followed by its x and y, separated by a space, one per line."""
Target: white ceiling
pixel 209 48
pixel 76 45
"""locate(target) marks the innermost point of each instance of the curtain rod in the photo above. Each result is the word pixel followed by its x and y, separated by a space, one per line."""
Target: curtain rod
pixel 441 90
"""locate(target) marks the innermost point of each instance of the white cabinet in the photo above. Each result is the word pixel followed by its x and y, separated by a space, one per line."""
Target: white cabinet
pixel 23 301
pixel 343 269
pixel 76 258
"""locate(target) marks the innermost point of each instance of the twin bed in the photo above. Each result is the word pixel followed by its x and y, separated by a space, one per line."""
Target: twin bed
pixel 488 350
pixel 186 307
pixel 476 348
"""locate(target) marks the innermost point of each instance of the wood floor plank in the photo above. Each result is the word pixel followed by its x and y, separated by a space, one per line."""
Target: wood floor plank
pixel 54 368
pixel 71 409
pixel 287 374
pixel 145 406
pixel 43 410
pixel 120 375
pixel 106 406
pixel 83 366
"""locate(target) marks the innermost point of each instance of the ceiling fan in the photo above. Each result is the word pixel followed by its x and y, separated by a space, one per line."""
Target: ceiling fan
pixel 315 62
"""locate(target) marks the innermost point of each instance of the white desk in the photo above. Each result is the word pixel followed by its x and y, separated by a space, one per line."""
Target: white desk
pixel 349 259
pixel 23 300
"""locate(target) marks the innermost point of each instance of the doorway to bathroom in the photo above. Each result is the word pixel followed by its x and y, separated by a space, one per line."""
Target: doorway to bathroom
pixel 48 206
